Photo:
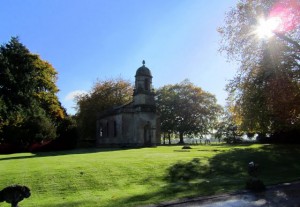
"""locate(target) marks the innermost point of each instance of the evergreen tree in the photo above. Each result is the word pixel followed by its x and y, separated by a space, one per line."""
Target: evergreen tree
pixel 29 106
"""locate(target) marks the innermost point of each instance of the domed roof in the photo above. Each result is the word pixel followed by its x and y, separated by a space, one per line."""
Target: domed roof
pixel 143 71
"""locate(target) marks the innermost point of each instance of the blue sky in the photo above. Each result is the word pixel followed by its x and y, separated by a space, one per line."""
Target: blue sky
pixel 86 40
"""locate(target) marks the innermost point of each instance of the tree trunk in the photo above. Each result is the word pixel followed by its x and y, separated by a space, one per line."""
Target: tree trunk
pixel 169 137
pixel 181 138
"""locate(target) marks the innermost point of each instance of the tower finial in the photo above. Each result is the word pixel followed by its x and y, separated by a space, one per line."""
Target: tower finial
pixel 143 62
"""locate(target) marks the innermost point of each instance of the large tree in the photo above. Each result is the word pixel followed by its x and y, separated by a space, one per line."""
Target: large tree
pixel 103 96
pixel 29 106
pixel 186 109
pixel 263 36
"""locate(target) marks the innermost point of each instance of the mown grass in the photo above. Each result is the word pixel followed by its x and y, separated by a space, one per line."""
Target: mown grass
pixel 134 177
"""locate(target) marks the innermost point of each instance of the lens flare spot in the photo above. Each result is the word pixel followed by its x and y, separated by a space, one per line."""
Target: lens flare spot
pixel 289 13
pixel 266 27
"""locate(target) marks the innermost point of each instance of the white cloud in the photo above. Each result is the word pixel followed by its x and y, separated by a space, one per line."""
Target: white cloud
pixel 70 96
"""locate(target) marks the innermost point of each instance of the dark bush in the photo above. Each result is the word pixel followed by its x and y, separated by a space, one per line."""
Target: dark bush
pixel 6 148
pixel 186 147
pixel 282 137
pixel 67 138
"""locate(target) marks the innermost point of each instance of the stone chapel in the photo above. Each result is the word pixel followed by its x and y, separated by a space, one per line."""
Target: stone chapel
pixel 135 124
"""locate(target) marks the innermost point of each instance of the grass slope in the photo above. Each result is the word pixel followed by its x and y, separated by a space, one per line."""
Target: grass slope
pixel 133 177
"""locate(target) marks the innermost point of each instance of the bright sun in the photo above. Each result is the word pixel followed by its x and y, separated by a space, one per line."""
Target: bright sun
pixel 266 27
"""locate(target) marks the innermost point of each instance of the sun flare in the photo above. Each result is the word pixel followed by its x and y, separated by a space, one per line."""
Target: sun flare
pixel 266 27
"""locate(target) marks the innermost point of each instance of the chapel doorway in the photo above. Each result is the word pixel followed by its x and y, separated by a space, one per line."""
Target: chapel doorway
pixel 147 135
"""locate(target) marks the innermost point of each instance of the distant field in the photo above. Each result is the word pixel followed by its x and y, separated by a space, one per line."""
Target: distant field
pixel 134 177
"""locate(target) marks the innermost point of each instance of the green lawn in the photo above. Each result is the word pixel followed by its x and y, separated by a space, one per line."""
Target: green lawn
pixel 133 177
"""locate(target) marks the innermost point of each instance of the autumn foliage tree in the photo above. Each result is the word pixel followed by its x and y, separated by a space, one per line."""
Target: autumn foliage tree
pixel 186 109
pixel 103 96
pixel 263 37
pixel 29 107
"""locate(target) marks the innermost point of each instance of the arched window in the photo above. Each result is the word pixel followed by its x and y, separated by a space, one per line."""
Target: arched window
pixel 115 128
pixel 101 130
pixel 107 129
pixel 147 85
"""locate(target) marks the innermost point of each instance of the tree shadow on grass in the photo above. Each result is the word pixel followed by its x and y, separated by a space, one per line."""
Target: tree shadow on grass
pixel 17 156
pixel 276 162
pixel 225 172
pixel 183 180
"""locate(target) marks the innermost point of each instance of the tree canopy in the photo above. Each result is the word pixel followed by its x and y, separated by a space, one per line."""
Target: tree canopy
pixel 103 95
pixel 29 106
pixel 263 36
pixel 186 109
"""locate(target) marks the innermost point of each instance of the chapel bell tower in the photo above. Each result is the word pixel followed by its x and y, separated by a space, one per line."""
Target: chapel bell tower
pixel 143 92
